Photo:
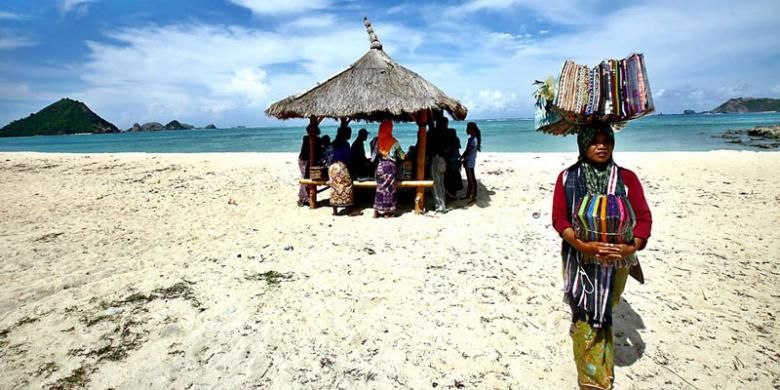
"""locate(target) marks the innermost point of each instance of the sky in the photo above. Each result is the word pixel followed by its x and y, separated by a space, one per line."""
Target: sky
pixel 225 61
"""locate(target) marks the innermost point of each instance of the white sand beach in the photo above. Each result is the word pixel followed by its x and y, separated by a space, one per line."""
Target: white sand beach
pixel 133 271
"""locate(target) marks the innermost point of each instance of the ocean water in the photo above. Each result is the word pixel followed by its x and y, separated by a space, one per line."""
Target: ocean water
pixel 652 133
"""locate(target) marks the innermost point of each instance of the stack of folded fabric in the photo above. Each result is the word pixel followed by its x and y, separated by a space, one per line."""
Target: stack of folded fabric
pixel 614 91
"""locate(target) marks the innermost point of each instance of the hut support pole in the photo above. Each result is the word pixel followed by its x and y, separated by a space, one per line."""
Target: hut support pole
pixel 313 121
pixel 419 198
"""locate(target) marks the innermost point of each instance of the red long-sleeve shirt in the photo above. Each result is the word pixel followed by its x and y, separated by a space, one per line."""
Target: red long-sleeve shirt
pixel 644 220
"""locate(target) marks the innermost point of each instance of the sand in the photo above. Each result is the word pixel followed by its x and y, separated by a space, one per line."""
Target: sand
pixel 134 271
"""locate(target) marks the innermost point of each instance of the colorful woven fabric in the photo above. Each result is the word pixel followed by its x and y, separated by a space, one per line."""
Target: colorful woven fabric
pixel 603 216
pixel 612 91
pixel 597 214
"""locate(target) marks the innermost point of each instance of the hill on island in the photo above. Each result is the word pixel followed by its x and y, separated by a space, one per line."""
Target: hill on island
pixel 748 105
pixel 66 116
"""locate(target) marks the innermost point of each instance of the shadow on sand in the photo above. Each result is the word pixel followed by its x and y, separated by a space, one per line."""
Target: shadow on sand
pixel 364 200
pixel 629 346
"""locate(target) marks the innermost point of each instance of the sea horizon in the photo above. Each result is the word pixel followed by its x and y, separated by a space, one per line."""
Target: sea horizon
pixel 657 132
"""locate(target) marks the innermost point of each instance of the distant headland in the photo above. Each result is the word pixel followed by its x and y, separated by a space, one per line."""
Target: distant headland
pixel 68 116
pixel 740 105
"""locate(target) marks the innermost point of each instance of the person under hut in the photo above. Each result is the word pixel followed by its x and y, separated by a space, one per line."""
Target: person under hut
pixel 600 211
pixel 469 160
pixel 327 151
pixel 338 172
pixel 303 160
pixel 453 181
pixel 438 152
pixel 387 153
pixel 361 166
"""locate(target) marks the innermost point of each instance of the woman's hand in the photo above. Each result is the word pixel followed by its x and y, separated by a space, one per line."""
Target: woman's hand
pixel 616 252
pixel 605 252
pixel 600 250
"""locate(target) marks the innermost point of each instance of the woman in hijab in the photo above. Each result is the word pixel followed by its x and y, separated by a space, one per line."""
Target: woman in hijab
pixel 600 211
pixel 388 153
pixel 338 172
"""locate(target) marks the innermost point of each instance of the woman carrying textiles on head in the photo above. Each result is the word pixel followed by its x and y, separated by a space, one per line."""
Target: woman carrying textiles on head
pixel 600 211
pixel 388 153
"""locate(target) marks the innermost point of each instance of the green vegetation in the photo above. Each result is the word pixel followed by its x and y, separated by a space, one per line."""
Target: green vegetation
pixel 66 116
pixel 748 105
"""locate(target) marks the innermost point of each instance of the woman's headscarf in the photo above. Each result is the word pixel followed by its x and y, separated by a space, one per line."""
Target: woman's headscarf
pixel 596 177
pixel 385 139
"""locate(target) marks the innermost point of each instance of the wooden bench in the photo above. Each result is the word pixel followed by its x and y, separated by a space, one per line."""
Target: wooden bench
pixel 372 183
pixel 417 184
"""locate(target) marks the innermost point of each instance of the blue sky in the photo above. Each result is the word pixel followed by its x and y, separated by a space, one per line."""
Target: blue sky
pixel 225 61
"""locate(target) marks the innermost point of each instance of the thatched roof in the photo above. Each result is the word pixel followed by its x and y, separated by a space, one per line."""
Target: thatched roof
pixel 374 88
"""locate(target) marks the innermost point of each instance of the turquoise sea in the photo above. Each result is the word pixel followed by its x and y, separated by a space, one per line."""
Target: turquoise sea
pixel 699 132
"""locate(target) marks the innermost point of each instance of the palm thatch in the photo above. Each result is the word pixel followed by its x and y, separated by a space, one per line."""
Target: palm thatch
pixel 374 88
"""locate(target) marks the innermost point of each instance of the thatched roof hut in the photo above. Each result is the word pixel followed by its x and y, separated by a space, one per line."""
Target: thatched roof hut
pixel 374 88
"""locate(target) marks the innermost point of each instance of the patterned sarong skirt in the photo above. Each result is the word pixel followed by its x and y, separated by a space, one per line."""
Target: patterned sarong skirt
pixel 385 199
pixel 340 185
pixel 303 194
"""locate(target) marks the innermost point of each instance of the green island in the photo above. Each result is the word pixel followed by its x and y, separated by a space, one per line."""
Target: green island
pixel 66 116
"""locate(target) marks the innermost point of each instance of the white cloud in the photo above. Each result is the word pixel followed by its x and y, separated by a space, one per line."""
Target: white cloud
pixel 270 7
pixel 10 39
pixel 199 72
pixel 202 72
pixel 702 57
pixel 569 12
pixel 312 22
pixel 249 83
pixel 79 7
pixel 10 16
pixel 490 100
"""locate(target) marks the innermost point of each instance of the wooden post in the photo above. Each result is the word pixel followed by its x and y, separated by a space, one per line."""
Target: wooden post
pixel 313 122
pixel 419 198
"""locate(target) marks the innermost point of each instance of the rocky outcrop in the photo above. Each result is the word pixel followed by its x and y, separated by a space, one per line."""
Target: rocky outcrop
pixel 763 137
pixel 152 126
pixel 157 126
pixel 765 131
pixel 210 126
pixel 176 125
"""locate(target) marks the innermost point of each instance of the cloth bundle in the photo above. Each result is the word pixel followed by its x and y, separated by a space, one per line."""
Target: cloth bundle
pixel 604 218
pixel 614 91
